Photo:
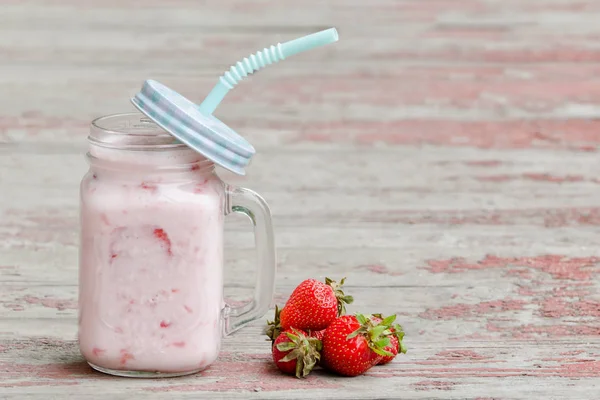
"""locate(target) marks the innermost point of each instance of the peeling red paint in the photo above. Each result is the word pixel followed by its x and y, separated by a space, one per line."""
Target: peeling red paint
pixel 548 134
pixel 559 53
pixel 454 357
pixel 562 293
pixel 572 353
pixel 559 267
pixel 381 269
pixel 34 228
pixel 275 383
pixel 473 310
pixel 563 360
pixel 450 362
pixel 494 178
pixel 50 302
pixel 458 355
pixel 554 307
pixel 548 217
pixel 586 369
pixel 57 371
pixel 247 373
pixel 14 306
pixel 525 291
pixel 521 273
pixel 530 331
pixel 37 383
pixel 553 178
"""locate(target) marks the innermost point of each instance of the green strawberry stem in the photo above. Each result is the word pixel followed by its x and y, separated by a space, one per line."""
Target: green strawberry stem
pixel 376 335
pixel 273 328
pixel 342 298
pixel 305 350
pixel 393 329
pixel 399 333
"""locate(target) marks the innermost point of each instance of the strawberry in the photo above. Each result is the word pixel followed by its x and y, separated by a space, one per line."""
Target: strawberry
pixel 396 335
pixel 317 334
pixel 295 353
pixel 273 328
pixel 313 305
pixel 352 345
pixel 392 348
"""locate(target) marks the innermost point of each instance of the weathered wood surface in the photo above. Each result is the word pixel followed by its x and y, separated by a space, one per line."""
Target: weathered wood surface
pixel 443 156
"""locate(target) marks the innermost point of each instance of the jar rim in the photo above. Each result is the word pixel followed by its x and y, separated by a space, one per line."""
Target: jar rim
pixel 116 131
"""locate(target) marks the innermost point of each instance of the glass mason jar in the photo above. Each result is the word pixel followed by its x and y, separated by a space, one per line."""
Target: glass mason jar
pixel 151 255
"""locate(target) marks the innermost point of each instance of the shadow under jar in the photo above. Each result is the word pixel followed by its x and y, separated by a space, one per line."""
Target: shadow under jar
pixel 151 253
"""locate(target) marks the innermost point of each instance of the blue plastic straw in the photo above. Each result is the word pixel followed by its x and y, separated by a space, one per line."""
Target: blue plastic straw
pixel 261 59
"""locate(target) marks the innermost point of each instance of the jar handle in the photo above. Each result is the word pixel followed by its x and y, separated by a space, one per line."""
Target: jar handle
pixel 248 202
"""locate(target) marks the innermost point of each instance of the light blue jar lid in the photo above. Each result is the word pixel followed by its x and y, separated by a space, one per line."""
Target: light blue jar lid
pixel 203 133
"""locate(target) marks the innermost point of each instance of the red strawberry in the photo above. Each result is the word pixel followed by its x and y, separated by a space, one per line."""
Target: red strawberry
pixel 295 353
pixel 317 334
pixel 313 305
pixel 273 328
pixel 392 348
pixel 396 335
pixel 352 345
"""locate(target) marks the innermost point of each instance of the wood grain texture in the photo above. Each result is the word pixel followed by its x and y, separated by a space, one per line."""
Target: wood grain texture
pixel 443 155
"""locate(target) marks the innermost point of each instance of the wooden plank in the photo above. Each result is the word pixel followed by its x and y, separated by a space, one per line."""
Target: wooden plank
pixel 442 156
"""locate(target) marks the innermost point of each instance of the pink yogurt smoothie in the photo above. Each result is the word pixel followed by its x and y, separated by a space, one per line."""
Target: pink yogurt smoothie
pixel 151 261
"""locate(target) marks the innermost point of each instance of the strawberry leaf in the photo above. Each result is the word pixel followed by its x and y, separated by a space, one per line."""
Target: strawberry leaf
pixel 383 342
pixel 361 319
pixel 382 352
pixel 304 350
pixel 403 348
pixel 353 334
pixel 316 343
pixel 342 299
pixel 299 367
pixel 294 338
pixel 273 328
pixel 309 362
pixel 377 331
pixel 292 355
pixel 286 346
